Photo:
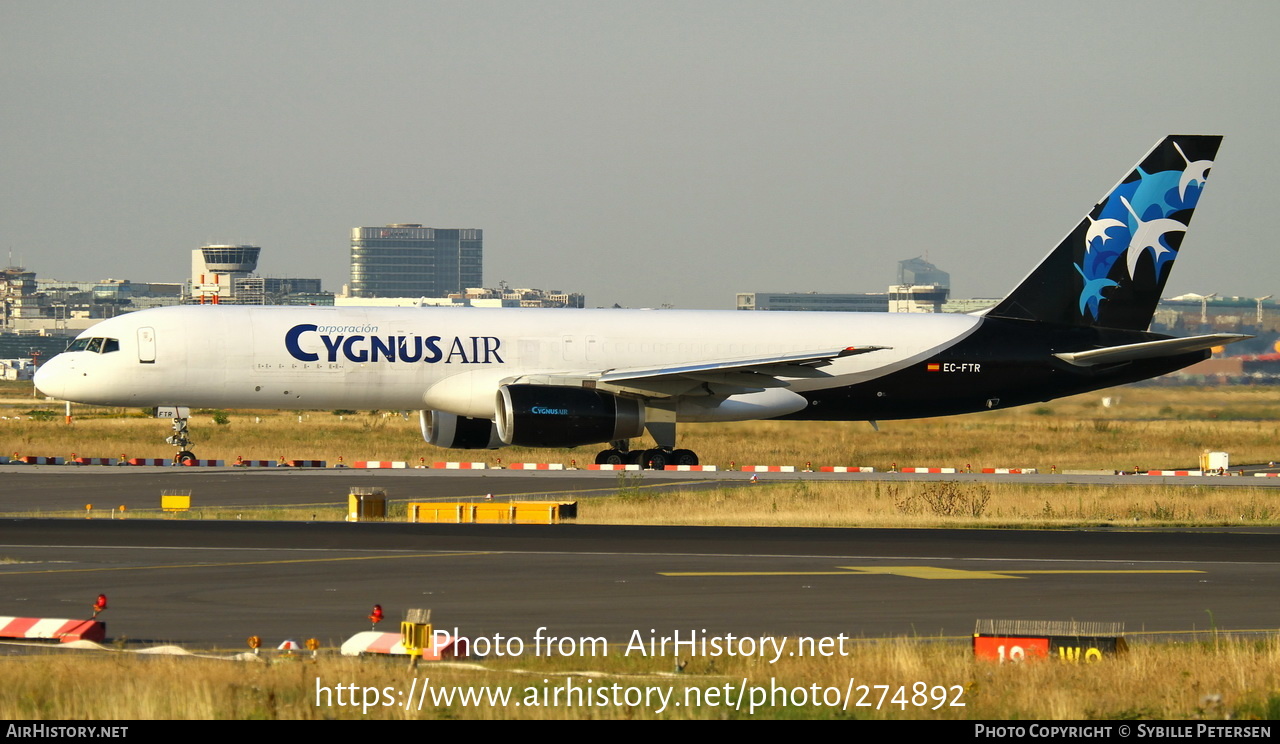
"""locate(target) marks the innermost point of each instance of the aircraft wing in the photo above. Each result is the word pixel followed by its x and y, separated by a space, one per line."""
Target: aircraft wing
pixel 1149 349
pixel 722 377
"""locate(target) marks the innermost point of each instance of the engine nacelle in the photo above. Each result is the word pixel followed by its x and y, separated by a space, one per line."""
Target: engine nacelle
pixel 458 432
pixel 551 416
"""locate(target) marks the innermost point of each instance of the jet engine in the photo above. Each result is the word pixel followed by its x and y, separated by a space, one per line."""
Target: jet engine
pixel 458 432
pixel 551 416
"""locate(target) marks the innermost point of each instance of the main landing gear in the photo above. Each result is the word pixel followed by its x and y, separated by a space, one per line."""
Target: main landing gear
pixel 648 459
pixel 660 422
pixel 180 440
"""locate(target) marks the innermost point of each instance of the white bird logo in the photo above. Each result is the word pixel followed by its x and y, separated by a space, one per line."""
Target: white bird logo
pixel 1197 171
pixel 1148 235
pixel 1098 229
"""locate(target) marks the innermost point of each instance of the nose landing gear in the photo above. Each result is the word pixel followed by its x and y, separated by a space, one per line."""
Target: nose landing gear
pixel 180 440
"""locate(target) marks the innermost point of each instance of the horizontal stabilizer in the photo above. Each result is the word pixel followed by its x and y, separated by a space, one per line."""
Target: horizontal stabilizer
pixel 1149 349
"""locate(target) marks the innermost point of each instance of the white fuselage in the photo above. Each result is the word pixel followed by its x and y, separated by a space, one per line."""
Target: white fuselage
pixel 397 358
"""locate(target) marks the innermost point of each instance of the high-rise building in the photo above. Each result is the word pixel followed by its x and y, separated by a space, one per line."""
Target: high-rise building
pixel 409 260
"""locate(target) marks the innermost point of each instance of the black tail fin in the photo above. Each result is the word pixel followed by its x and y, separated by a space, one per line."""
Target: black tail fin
pixel 1111 269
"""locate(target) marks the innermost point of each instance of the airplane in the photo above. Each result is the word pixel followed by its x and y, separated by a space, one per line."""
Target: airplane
pixel 487 378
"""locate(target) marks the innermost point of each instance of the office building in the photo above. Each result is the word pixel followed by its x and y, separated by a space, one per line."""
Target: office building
pixel 409 260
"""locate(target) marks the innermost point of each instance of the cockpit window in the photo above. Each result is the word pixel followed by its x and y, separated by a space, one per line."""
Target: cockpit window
pixel 97 345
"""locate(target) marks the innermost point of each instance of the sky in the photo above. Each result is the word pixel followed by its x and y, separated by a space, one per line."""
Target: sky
pixel 642 153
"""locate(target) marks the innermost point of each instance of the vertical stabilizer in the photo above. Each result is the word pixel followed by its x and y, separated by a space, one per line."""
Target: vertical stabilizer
pixel 1110 270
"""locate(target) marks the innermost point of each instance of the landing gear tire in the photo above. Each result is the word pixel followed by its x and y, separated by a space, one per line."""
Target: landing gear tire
pixel 611 457
pixel 655 459
pixel 184 457
pixel 684 457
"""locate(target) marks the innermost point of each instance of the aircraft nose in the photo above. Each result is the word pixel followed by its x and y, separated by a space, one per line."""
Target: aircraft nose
pixel 50 378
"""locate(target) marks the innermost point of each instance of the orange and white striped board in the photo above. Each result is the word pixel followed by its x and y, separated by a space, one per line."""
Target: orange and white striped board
pixel 1175 472
pixel 459 465
pixel 160 461
pixel 51 628
pixel 692 468
pixel 376 642
pixel 536 466
pixel 94 461
pixel 34 460
pixel 845 469
pixel 928 470
pixel 768 468
pixel 593 466
pixel 371 464
pixel 205 463
pixel 1009 471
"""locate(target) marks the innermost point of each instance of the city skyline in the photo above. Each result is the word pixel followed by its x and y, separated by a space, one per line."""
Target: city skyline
pixel 667 153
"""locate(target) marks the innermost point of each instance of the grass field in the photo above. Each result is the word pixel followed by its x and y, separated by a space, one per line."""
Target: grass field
pixel 1218 678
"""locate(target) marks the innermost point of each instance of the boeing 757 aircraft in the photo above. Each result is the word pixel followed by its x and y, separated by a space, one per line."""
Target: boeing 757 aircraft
pixel 485 378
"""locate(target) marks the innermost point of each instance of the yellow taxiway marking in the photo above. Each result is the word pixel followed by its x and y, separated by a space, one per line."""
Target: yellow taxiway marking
pixel 226 564
pixel 926 572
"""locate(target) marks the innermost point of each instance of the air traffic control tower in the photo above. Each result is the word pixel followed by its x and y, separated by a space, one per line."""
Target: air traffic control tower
pixel 215 269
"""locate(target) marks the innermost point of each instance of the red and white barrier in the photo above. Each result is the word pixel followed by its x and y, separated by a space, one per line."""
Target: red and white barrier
pixel 240 463
pixel 1010 471
pixel 373 464
pixel 928 470
pixel 459 465
pixel 34 460
pixel 535 466
pixel 768 468
pixel 692 468
pixel 149 461
pixel 205 463
pixel 843 469
pixel 375 642
pixel 306 464
pixel 1266 475
pixel 1175 472
pixel 94 461
pixel 612 467
pixel 52 628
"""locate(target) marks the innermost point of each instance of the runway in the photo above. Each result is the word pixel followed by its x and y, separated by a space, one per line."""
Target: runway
pixel 213 584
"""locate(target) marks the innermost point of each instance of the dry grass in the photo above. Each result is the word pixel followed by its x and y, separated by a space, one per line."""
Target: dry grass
pixel 935 504
pixel 1236 679
pixel 1150 427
